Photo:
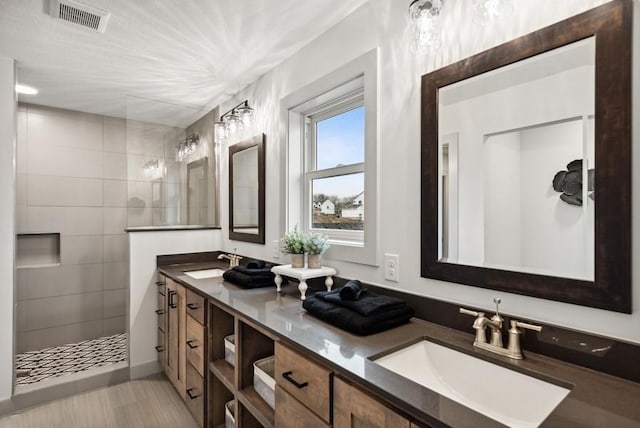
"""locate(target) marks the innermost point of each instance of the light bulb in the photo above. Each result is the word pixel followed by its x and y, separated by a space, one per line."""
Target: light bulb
pixel 246 115
pixel 220 131
pixel 232 121
pixel 426 26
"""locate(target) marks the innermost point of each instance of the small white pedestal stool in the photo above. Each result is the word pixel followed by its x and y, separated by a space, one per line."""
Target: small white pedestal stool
pixel 302 275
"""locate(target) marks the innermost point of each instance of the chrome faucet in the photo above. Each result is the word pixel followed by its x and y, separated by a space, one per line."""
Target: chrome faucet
pixel 481 323
pixel 234 259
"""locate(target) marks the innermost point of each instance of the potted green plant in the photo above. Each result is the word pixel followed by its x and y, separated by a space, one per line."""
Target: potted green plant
pixel 315 244
pixel 293 243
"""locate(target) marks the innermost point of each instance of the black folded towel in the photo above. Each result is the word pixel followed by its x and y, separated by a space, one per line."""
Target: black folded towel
pixel 248 281
pixel 368 304
pixel 256 264
pixel 351 290
pixel 353 321
pixel 265 271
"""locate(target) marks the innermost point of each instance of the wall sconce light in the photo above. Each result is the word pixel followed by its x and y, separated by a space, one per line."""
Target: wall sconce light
pixel 187 148
pixel 236 119
pixel 425 25
pixel 152 169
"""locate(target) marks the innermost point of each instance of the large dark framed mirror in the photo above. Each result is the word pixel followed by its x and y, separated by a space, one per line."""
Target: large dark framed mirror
pixel 246 190
pixel 526 164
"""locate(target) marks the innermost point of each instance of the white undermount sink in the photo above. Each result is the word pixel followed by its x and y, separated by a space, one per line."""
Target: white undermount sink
pixel 204 273
pixel 512 398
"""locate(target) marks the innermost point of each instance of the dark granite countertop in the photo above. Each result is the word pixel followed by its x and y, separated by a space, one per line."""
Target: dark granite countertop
pixel 595 399
pixel 176 227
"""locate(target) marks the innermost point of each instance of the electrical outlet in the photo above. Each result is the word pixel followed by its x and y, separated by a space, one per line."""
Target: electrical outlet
pixel 392 267
pixel 276 248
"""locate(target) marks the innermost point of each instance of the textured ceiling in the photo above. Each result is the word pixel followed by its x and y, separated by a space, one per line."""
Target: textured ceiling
pixel 158 60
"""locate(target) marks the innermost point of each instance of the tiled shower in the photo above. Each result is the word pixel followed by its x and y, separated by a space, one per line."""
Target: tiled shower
pixel 82 179
pixel 72 261
pixel 71 181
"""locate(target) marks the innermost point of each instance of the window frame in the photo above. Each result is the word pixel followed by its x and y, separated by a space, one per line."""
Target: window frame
pixel 362 72
pixel 349 102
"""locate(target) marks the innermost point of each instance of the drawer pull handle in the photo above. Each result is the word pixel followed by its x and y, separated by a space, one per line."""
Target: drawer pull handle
pixel 193 306
pixel 159 348
pixel 191 345
pixel 160 311
pixel 159 283
pixel 190 394
pixel 172 305
pixel 287 376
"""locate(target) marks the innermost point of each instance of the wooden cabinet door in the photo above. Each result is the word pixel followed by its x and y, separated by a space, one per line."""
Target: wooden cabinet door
pixel 176 335
pixel 290 413
pixel 353 409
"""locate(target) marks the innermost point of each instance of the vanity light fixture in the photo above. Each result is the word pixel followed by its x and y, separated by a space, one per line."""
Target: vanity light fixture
pixel 425 25
pixel 234 120
pixel 187 147
pixel 25 89
pixel 152 169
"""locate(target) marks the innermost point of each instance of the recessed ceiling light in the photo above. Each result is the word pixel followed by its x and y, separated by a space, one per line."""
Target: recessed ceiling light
pixel 26 90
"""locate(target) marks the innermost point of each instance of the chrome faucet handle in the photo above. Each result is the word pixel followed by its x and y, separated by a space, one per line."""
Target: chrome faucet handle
pixel 479 324
pixel 514 349
pixel 497 301
pixel 496 329
pixel 527 326
pixel 469 312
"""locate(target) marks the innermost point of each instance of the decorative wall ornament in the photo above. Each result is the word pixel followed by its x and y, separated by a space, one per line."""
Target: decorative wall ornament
pixel 569 183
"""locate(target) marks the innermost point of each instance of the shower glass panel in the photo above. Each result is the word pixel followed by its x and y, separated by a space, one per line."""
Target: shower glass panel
pixel 170 184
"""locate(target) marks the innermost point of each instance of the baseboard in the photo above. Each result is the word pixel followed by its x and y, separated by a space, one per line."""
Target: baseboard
pixel 144 370
pixel 64 386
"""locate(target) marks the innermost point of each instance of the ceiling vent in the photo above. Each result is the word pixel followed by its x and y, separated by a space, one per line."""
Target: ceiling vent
pixel 80 14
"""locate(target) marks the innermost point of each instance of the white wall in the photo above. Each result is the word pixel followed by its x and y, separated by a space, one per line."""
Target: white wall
pixel 557 97
pixel 501 205
pixel 554 233
pixel 143 321
pixel 383 23
pixel 7 222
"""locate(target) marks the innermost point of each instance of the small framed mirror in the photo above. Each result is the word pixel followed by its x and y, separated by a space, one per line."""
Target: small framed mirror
pixel 526 164
pixel 246 190
pixel 197 191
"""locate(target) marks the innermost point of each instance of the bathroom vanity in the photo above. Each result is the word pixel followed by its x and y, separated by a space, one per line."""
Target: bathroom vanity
pixel 327 377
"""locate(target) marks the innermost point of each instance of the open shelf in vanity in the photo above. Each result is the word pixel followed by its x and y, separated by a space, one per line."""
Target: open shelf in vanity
pixel 235 382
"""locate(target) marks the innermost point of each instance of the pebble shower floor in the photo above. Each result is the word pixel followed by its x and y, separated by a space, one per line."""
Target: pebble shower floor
pixel 72 358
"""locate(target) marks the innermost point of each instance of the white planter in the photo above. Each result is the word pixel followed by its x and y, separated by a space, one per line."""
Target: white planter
pixel 297 260
pixel 314 261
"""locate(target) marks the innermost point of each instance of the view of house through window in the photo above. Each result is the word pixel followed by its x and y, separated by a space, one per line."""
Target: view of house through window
pixel 337 181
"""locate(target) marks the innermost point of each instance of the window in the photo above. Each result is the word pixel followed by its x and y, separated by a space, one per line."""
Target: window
pixel 331 162
pixel 335 172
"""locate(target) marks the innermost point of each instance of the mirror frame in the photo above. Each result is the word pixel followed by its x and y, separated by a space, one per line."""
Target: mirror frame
pixel 611 24
pixel 259 141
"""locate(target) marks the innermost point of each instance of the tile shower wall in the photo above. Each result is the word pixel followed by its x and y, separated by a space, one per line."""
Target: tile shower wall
pixel 72 180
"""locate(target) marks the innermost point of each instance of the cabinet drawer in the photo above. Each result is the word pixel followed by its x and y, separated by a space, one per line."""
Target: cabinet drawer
pixel 161 348
pixel 195 306
pixel 291 414
pixel 195 394
pixel 161 311
pixel 161 286
pixel 195 344
pixel 305 380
